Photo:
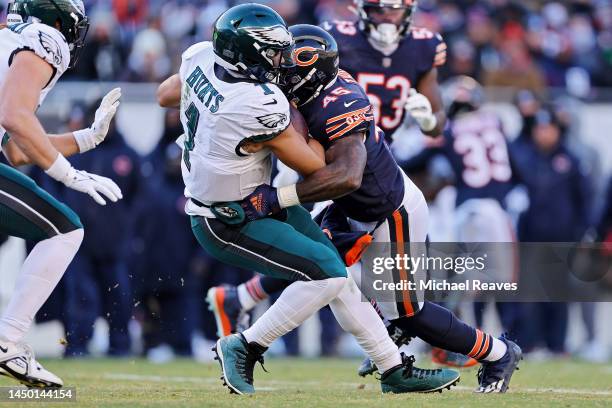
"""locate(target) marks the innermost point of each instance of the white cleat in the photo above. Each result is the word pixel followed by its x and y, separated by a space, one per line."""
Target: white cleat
pixel 17 361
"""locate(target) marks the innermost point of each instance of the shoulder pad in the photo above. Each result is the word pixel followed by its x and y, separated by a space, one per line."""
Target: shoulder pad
pixel 48 43
pixel 196 49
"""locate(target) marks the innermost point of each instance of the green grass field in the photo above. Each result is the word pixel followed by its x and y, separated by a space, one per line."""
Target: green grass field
pixel 315 383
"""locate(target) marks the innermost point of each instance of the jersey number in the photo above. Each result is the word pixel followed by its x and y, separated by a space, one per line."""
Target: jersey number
pixel 193 118
pixel 396 82
pixel 485 157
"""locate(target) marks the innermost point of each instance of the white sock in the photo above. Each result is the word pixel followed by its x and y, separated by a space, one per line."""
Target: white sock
pixel 359 318
pixel 246 300
pixel 40 273
pixel 298 302
pixel 497 351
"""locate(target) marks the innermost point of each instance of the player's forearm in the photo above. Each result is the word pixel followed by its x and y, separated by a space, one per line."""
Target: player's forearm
pixel 342 175
pixel 29 137
pixel 328 183
pixel 169 92
pixel 440 123
pixel 65 144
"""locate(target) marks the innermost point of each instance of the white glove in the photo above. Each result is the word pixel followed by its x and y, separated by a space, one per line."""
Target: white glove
pixel 84 182
pixel 91 137
pixel 419 107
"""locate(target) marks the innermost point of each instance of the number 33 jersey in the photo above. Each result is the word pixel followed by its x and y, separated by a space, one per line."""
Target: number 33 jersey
pixel 387 79
pixel 220 113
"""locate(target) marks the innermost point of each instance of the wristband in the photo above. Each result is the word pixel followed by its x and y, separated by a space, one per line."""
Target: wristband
pixel 60 169
pixel 287 196
pixel 84 139
pixel 429 124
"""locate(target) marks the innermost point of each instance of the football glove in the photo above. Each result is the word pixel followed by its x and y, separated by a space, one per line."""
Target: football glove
pixel 79 180
pixel 261 203
pixel 91 137
pixel 419 107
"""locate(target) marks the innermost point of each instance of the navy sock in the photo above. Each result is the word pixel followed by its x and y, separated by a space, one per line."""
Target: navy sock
pixel 441 328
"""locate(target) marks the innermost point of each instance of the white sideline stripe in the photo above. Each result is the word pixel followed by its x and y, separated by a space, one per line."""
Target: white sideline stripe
pixel 253 253
pixel 31 209
pixel 199 380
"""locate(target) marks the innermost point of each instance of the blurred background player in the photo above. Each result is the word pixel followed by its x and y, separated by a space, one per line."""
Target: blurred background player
pixel 41 42
pixel 558 189
pixel 394 62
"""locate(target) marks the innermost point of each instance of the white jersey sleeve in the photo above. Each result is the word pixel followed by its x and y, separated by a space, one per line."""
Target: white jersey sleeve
pixel 267 116
pixel 46 42
pixel 189 54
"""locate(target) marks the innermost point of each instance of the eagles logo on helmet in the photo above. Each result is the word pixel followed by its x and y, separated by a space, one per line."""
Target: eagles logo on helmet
pixel 67 16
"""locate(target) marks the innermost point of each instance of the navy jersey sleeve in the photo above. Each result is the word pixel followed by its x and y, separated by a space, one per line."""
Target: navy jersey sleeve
pixel 432 47
pixel 346 110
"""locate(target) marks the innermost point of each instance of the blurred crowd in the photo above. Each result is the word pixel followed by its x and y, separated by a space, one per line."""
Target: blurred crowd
pixel 531 44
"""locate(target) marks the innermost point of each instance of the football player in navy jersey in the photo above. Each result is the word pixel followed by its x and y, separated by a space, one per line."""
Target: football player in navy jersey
pixel 373 195
pixel 394 62
pixel 475 145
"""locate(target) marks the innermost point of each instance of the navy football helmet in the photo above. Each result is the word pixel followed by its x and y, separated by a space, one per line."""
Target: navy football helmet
pixel 377 21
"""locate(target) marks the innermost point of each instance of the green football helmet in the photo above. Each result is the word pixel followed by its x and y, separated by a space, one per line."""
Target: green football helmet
pixel 68 14
pixel 253 40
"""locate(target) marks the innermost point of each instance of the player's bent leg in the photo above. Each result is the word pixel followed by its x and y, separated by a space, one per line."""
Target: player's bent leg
pixel 398 375
pixel 273 247
pixel 28 212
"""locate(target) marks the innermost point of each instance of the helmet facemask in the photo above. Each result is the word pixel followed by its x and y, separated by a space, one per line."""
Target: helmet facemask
pixel 377 19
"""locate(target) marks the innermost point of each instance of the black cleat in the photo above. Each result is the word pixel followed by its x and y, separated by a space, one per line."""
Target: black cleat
pixel 494 376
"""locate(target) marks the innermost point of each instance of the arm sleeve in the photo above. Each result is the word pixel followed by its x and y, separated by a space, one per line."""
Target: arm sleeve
pixel 342 121
pixel 49 44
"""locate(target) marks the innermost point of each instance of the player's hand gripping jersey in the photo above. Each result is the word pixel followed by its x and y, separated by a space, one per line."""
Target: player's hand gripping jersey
pixel 344 109
pixel 220 113
pixel 387 79
pixel 44 41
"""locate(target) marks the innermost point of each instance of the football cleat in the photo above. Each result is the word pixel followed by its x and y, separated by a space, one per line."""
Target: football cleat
pixel 237 359
pixel 451 359
pixel 494 376
pixel 399 337
pixel 17 362
pixel 224 303
pixel 366 368
pixel 408 378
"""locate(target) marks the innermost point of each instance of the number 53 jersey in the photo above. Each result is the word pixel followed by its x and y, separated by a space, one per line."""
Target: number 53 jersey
pixel 387 79
pixel 220 113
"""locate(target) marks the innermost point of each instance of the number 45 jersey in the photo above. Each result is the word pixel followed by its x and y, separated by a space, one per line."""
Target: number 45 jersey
pixel 387 79
pixel 219 113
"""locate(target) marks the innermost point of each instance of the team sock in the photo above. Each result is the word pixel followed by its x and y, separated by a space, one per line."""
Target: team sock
pixel 296 304
pixel 441 328
pixel 40 273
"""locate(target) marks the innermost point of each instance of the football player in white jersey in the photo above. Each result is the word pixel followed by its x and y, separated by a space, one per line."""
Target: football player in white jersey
pixel 234 115
pixel 40 42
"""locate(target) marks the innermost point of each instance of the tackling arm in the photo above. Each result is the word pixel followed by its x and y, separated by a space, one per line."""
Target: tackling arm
pixel 346 160
pixel 169 92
